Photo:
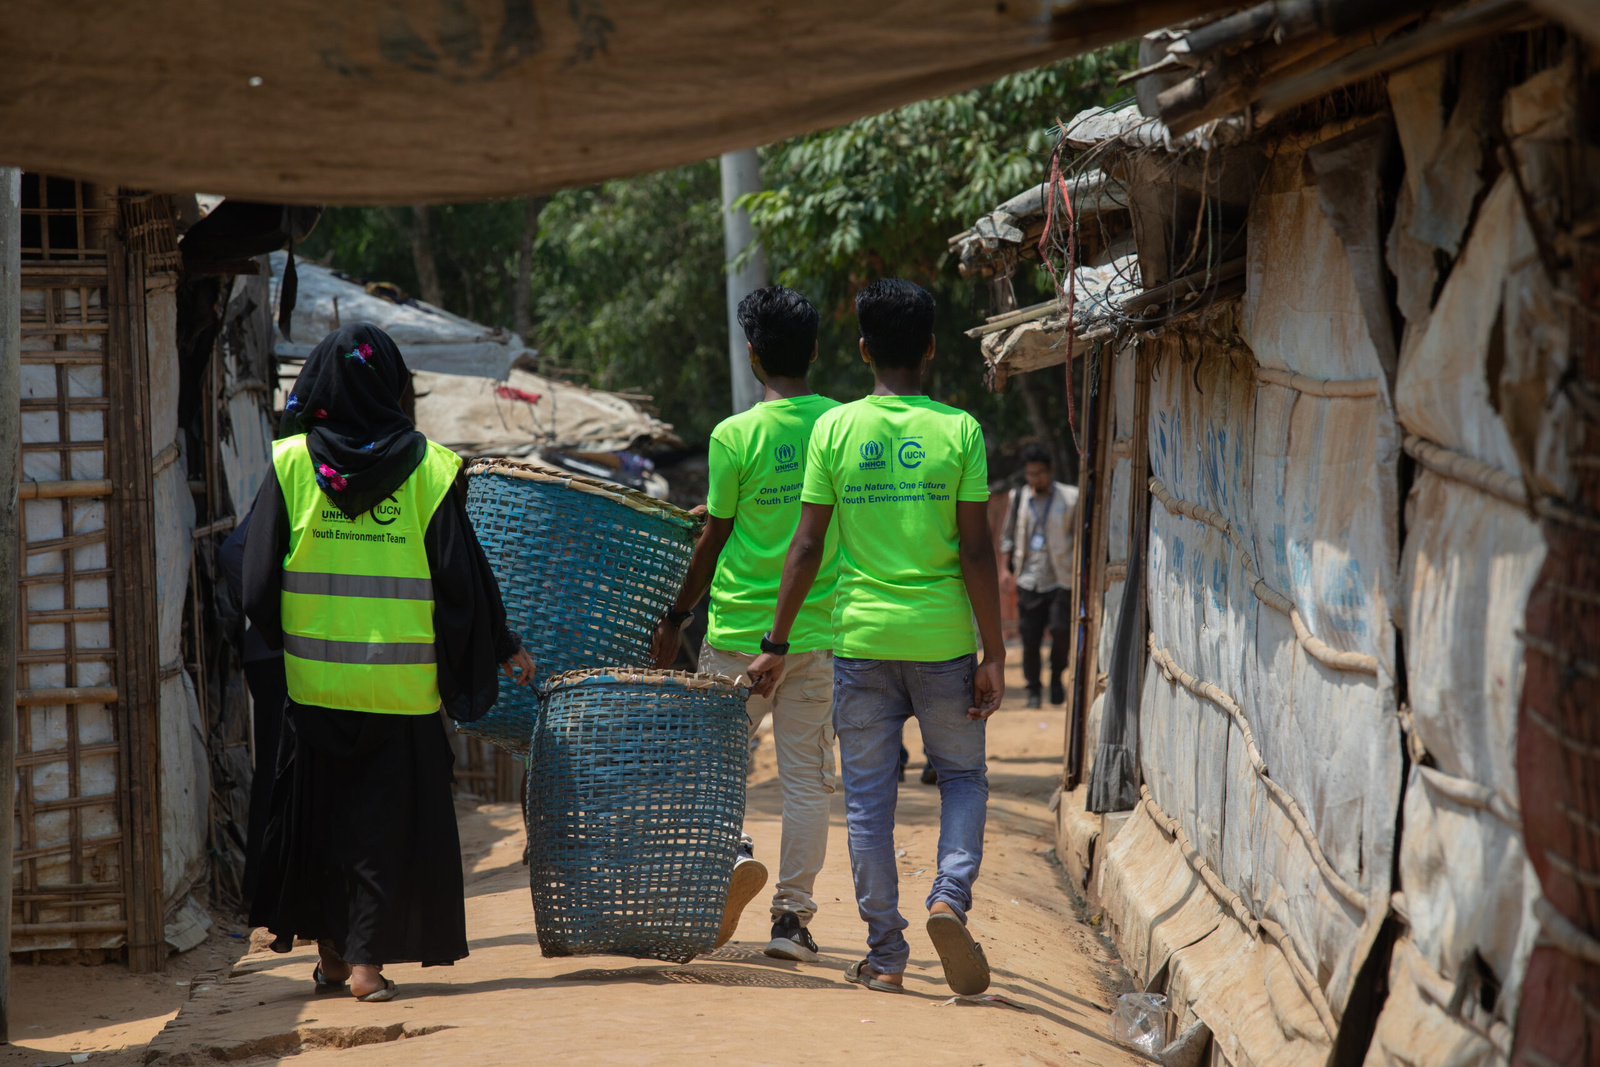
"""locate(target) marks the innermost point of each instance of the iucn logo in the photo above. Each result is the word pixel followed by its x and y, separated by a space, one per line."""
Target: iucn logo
pixel 386 513
pixel 911 453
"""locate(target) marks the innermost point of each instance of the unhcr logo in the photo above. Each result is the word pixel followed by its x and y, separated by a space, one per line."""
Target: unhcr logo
pixel 785 455
pixel 871 456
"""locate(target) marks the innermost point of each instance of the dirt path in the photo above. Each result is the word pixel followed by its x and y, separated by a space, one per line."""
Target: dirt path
pixel 507 1004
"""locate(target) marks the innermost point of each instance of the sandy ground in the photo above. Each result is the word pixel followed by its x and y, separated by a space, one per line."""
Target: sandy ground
pixel 507 1004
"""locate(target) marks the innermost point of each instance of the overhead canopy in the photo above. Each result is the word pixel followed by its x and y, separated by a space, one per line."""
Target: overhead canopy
pixel 405 101
pixel 430 338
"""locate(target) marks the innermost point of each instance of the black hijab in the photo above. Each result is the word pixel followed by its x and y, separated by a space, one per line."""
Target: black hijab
pixel 347 403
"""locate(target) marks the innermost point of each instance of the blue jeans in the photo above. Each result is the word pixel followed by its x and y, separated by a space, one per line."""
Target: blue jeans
pixel 872 699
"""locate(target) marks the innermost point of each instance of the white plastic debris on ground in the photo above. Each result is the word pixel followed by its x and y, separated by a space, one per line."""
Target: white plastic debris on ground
pixel 528 412
pixel 429 338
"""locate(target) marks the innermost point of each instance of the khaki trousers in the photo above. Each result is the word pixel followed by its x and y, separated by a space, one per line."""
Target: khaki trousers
pixel 802 730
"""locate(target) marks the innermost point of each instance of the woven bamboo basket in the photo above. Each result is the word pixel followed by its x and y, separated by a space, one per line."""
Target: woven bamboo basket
pixel 585 568
pixel 635 798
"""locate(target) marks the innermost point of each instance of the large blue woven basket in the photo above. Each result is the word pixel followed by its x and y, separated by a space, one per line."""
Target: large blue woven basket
pixel 634 802
pixel 585 567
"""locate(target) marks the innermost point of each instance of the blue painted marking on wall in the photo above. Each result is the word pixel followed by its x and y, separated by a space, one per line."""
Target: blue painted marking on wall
pixel 1300 564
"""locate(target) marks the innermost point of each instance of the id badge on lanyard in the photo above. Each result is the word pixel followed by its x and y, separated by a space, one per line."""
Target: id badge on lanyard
pixel 1036 543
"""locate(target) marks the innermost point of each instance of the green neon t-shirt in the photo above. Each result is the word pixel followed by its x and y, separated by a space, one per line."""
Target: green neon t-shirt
pixel 894 468
pixel 756 465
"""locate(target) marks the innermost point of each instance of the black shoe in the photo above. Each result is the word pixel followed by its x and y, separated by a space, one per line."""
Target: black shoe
pixel 929 775
pixel 1034 700
pixel 1058 692
pixel 791 941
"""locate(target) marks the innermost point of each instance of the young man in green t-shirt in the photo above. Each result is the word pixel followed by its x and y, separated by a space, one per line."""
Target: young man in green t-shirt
pixel 904 482
pixel 756 467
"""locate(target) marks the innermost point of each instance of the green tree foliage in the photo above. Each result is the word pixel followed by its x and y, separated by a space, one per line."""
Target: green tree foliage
pixel 627 276
pixel 882 195
pixel 628 288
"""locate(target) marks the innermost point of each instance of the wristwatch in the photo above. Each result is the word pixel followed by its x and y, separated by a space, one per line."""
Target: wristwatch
pixel 777 648
pixel 677 618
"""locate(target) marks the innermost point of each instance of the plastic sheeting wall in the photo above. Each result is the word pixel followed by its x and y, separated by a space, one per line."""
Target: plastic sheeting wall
pixel 185 775
pixel 1304 486
pixel 1470 561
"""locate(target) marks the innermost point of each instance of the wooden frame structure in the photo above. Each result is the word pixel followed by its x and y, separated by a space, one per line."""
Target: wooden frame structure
pixel 87 862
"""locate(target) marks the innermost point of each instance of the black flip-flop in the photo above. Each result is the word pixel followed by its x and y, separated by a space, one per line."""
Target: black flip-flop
pixel 378 996
pixel 853 975
pixel 325 986
pixel 966 969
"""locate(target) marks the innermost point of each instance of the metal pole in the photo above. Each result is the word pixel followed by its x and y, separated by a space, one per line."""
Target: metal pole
pixel 741 174
pixel 10 471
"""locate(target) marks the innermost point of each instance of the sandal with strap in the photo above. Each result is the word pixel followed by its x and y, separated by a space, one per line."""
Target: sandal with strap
pixel 378 996
pixel 855 975
pixel 324 985
pixel 966 968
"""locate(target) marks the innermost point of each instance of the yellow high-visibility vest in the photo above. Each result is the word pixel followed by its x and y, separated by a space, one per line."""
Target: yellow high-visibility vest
pixel 357 593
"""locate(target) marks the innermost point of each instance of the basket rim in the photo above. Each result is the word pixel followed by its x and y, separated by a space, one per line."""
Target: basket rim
pixel 637 675
pixel 633 498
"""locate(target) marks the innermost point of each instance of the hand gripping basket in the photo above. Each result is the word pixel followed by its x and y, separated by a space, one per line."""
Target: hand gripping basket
pixel 585 568
pixel 634 804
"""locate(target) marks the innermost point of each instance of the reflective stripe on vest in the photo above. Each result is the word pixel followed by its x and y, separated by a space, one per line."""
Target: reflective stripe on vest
pixel 357 593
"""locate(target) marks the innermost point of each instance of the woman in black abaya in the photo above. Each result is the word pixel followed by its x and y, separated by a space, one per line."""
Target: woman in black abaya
pixel 361 852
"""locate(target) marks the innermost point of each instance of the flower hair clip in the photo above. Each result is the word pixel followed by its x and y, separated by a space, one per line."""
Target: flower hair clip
pixel 361 353
pixel 328 478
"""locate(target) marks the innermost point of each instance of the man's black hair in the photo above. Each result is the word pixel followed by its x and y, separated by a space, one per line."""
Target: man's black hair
pixel 1034 452
pixel 781 326
pixel 896 318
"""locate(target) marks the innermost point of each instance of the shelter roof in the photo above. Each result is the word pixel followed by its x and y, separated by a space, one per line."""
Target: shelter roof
pixel 430 338
pixel 373 101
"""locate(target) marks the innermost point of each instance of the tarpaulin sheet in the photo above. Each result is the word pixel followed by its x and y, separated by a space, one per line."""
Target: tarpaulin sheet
pixel 1417 1029
pixel 1172 931
pixel 1470 561
pixel 475 416
pixel 403 101
pixel 430 338
pixel 1119 499
pixel 1113 736
pixel 185 768
pixel 1305 484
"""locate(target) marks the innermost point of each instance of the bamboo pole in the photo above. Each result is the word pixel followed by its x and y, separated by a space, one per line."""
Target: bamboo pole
pixel 10 553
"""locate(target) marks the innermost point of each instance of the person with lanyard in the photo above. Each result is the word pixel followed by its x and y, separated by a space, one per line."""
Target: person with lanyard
pixel 361 565
pixel 904 480
pixel 756 468
pixel 1037 546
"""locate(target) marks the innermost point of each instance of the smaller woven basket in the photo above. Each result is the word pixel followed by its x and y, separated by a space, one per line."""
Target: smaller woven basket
pixel 585 569
pixel 636 790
